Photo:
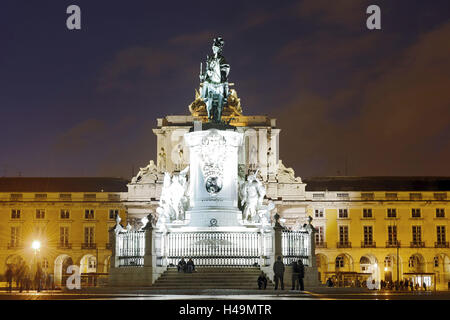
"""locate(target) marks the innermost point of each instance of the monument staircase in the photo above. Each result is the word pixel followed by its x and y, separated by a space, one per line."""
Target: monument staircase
pixel 244 278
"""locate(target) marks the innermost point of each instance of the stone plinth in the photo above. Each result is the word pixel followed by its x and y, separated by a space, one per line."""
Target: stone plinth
pixel 213 189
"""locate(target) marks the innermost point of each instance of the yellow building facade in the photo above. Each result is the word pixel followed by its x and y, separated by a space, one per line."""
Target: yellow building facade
pixel 396 233
pixel 68 217
pixel 382 234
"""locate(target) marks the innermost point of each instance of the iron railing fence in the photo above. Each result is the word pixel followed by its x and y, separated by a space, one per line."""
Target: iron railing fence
pixel 213 248
pixel 295 245
pixel 131 248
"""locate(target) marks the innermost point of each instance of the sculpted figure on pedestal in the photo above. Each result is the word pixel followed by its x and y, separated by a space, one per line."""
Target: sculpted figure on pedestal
pixel 174 200
pixel 147 173
pixel 286 175
pixel 252 195
pixel 214 79
pixel 162 160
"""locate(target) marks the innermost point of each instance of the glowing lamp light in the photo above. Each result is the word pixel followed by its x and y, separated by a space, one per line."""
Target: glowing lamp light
pixel 36 245
pixel 385 269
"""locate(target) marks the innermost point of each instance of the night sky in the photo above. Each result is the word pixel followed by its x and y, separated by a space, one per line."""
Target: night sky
pixel 349 101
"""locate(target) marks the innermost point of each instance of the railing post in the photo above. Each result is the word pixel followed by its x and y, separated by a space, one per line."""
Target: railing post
pixel 115 247
pixel 148 253
pixel 312 243
pixel 278 229
pixel 112 242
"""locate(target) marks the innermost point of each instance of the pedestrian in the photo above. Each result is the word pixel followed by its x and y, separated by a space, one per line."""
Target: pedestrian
pixel 262 281
pixel 424 286
pixel 301 274
pixel 278 270
pixel 38 278
pixel 294 276
pixel 28 281
pixel 411 285
pixel 181 265
pixel 20 275
pixel 416 287
pixel 190 267
pixel 9 277
pixel 329 283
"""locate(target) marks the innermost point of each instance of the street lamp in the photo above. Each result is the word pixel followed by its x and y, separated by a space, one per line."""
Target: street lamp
pixel 36 245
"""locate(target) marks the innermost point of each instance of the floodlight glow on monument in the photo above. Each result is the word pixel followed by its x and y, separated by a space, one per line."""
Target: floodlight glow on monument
pixel 211 191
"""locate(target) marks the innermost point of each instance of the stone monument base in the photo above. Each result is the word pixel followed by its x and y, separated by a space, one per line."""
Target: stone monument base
pixel 134 276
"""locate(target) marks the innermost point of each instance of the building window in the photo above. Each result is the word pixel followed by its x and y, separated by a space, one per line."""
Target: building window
pixel 392 213
pixel 90 196
pixel 436 262
pixel 391 196
pixel 319 236
pixel 441 237
pixel 113 197
pixel 65 196
pixel 367 196
pixel 15 214
pixel 15 237
pixel 415 196
pixel 44 263
pixel 416 234
pixel 318 213
pixel 388 262
pixel 39 231
pixel 16 197
pixel 368 235
pixel 342 195
pixel 343 213
pixel 40 196
pixel 440 213
pixel 40 214
pixel 415 213
pixel 367 213
pixel 113 213
pixel 440 196
pixel 412 261
pixel 64 214
pixel 343 234
pixel 64 237
pixel 92 263
pixel 318 195
pixel 89 214
pixel 392 235
pixel 89 235
pixel 340 262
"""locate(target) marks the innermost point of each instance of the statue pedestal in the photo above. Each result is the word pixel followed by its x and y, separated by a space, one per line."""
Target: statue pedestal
pixel 213 176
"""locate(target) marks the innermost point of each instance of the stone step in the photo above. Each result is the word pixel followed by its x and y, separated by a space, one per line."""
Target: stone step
pixel 167 281
pixel 218 270
pixel 212 274
pixel 215 285
pixel 211 278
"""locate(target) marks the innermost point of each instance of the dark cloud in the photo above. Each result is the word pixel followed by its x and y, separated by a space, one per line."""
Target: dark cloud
pixel 347 13
pixel 402 124
pixel 86 102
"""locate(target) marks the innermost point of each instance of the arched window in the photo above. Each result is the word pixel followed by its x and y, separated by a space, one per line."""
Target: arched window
pixel 412 261
pixel 44 263
pixel 340 262
pixel 364 260
pixel 387 262
pixel 91 263
pixel 436 262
